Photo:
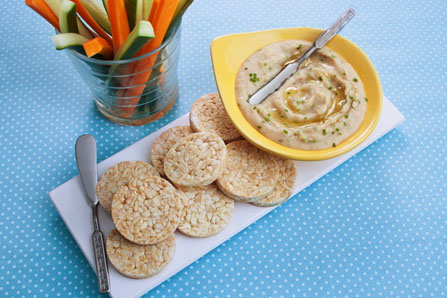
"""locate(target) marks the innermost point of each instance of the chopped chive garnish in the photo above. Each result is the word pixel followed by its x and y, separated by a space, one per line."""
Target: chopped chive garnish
pixel 351 97
pixel 337 129
pixel 269 114
pixel 265 64
pixel 366 99
pixel 286 110
pixel 339 133
pixel 288 92
pixel 347 116
pixel 355 80
pixel 324 132
pixel 267 119
pixel 344 123
pixel 333 145
pixel 259 126
pixel 246 68
pixel 285 131
pixel 254 108
pixel 320 78
pixel 299 47
pixel 330 87
pixel 270 68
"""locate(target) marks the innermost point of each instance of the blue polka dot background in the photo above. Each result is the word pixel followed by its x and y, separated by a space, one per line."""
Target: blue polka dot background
pixel 375 226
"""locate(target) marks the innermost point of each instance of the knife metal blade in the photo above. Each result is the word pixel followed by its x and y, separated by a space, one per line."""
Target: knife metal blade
pixel 274 84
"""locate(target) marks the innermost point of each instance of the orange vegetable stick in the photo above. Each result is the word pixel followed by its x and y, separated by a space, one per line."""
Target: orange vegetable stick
pixel 45 11
pixel 153 10
pixel 82 11
pixel 99 46
pixel 118 22
pixel 162 19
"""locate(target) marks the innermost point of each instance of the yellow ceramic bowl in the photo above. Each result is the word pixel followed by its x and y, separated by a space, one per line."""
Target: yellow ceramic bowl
pixel 230 51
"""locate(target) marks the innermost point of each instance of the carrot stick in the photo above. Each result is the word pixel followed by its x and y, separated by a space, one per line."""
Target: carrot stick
pixel 153 10
pixel 118 22
pixel 45 11
pixel 82 11
pixel 99 46
pixel 161 20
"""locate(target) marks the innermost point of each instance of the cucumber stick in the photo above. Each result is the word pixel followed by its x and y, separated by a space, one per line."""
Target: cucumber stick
pixel 134 10
pixel 68 40
pixel 98 12
pixel 181 6
pixel 83 30
pixel 147 7
pixel 140 35
pixel 55 6
pixel 106 5
pixel 67 17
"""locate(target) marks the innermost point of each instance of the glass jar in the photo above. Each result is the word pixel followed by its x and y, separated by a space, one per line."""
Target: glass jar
pixel 134 91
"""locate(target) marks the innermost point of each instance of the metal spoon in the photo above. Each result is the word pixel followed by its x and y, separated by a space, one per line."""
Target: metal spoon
pixel 86 160
pixel 291 68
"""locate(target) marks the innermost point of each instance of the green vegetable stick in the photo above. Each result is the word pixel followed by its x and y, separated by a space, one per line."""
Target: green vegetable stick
pixel 68 40
pixel 67 17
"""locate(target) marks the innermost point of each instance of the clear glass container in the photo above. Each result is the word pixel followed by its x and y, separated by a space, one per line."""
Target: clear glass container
pixel 134 91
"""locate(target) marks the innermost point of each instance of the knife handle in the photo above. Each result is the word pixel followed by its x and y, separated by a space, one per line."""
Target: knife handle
pixel 336 26
pixel 101 262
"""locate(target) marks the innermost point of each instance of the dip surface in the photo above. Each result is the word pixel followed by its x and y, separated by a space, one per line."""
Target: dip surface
pixel 318 107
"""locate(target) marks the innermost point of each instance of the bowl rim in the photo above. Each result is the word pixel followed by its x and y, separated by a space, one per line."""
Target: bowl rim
pixel 272 147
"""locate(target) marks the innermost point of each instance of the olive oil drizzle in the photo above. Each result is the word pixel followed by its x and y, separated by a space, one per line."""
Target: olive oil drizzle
pixel 338 101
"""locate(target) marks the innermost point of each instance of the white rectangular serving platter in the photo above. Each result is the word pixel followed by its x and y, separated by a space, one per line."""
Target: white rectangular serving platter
pixel 69 201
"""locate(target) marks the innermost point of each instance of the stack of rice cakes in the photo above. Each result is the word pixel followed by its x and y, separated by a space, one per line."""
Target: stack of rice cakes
pixel 207 166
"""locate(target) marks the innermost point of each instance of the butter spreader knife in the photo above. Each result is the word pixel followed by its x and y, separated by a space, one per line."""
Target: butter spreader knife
pixel 291 68
pixel 86 160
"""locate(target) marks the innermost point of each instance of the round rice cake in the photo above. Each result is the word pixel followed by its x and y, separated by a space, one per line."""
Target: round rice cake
pixel 284 186
pixel 118 175
pixel 146 210
pixel 196 160
pixel 250 174
pixel 207 210
pixel 208 114
pixel 164 142
pixel 138 261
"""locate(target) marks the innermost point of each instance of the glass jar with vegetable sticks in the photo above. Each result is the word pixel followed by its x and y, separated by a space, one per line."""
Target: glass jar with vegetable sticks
pixel 126 51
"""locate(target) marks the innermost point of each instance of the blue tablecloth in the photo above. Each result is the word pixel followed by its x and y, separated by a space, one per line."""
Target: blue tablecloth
pixel 375 226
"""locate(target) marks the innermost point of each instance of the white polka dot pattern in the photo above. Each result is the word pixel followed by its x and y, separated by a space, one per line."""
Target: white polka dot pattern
pixel 375 226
